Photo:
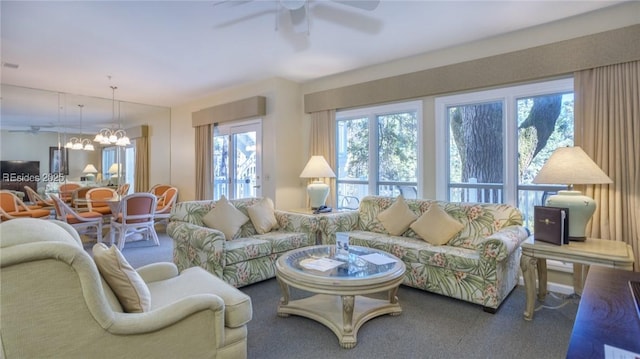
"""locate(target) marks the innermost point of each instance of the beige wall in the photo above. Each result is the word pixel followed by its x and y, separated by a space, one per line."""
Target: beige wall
pixel 283 144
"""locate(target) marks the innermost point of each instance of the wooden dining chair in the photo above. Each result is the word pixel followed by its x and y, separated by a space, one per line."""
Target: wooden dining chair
pixel 13 206
pixel 81 221
pixel 66 191
pixel 36 199
pixel 123 189
pixel 165 203
pixel 96 200
pixel 159 189
pixel 78 198
pixel 135 217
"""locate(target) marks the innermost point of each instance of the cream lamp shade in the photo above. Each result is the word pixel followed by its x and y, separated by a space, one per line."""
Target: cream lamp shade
pixel 90 170
pixel 317 168
pixel 114 170
pixel 570 166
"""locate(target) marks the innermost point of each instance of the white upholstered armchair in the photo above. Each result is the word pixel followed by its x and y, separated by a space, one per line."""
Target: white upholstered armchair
pixel 55 303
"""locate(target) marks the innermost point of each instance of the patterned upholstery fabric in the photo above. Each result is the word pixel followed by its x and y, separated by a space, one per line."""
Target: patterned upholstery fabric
pixel 248 258
pixel 479 265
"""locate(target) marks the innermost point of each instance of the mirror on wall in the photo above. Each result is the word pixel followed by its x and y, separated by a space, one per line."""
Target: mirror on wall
pixel 36 124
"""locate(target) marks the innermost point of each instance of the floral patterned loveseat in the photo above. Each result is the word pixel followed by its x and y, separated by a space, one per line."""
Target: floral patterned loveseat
pixel 249 257
pixel 479 265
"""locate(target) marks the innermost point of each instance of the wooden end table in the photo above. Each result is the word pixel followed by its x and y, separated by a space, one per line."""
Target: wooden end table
pixel 593 251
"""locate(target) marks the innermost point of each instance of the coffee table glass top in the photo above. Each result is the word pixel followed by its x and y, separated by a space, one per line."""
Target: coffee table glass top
pixel 323 261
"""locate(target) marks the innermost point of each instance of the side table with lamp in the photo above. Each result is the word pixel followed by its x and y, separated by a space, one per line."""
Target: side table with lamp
pixel 570 165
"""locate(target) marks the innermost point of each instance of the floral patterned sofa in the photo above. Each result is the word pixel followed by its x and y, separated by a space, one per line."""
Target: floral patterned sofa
pixel 479 264
pixel 249 257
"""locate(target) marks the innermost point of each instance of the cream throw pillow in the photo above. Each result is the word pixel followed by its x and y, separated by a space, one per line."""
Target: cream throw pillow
pixel 397 218
pixel 225 217
pixel 262 215
pixel 132 292
pixel 436 226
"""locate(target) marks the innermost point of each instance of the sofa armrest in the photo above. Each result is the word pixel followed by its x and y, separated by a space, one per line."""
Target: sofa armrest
pixel 157 271
pixel 297 222
pixel 197 246
pixel 501 244
pixel 337 222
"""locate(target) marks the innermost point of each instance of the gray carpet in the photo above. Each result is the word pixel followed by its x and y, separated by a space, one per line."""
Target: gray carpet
pixel 430 326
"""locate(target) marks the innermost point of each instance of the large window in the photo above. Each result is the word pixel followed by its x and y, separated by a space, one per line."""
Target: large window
pixel 377 150
pixel 491 144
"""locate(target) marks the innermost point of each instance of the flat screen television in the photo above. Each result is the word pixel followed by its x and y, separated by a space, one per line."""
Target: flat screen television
pixel 14 175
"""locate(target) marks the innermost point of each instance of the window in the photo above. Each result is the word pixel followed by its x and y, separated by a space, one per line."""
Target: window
pixel 493 143
pixel 377 150
pixel 119 155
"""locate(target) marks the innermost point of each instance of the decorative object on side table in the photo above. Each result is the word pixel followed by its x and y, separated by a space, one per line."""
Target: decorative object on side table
pixel 317 168
pixel 570 166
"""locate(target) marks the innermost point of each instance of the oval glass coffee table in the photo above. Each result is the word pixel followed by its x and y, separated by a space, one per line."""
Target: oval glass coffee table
pixel 340 284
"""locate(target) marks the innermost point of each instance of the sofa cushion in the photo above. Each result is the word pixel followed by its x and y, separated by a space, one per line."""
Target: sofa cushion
pixel 194 281
pixel 397 218
pixel 262 215
pixel 126 283
pixel 244 249
pixel 436 226
pixel 282 241
pixel 225 217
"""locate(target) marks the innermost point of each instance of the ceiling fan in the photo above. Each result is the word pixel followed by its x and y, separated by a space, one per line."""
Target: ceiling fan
pixel 300 11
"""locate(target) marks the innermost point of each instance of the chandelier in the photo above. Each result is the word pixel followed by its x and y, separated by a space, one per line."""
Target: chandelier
pixel 107 136
pixel 79 143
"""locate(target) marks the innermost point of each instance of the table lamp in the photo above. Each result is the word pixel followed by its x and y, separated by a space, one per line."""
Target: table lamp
pixel 571 165
pixel 318 191
pixel 114 171
pixel 90 170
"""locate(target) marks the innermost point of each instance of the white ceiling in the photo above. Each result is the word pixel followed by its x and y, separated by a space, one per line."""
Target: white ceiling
pixel 171 52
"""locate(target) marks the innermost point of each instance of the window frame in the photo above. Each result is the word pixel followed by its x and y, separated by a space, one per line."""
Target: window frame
pixel 508 96
pixel 372 113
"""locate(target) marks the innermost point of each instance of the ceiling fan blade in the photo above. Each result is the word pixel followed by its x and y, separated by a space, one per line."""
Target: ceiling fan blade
pixel 360 4
pixel 348 18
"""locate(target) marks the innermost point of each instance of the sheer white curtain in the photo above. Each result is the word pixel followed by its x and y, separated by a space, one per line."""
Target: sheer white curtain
pixel 607 119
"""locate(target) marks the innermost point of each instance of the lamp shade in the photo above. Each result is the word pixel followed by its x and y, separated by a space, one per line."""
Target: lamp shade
pixel 317 167
pixel 90 169
pixel 114 169
pixel 571 165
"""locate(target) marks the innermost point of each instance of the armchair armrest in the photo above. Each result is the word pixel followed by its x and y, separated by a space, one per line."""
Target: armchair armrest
pixel 197 246
pixel 500 245
pixel 165 317
pixel 337 222
pixel 157 271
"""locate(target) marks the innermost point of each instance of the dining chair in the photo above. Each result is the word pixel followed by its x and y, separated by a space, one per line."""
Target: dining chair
pixel 165 203
pixel 36 199
pixel 123 189
pixel 78 198
pixel 66 191
pixel 159 189
pixel 78 220
pixel 96 199
pixel 135 217
pixel 13 206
